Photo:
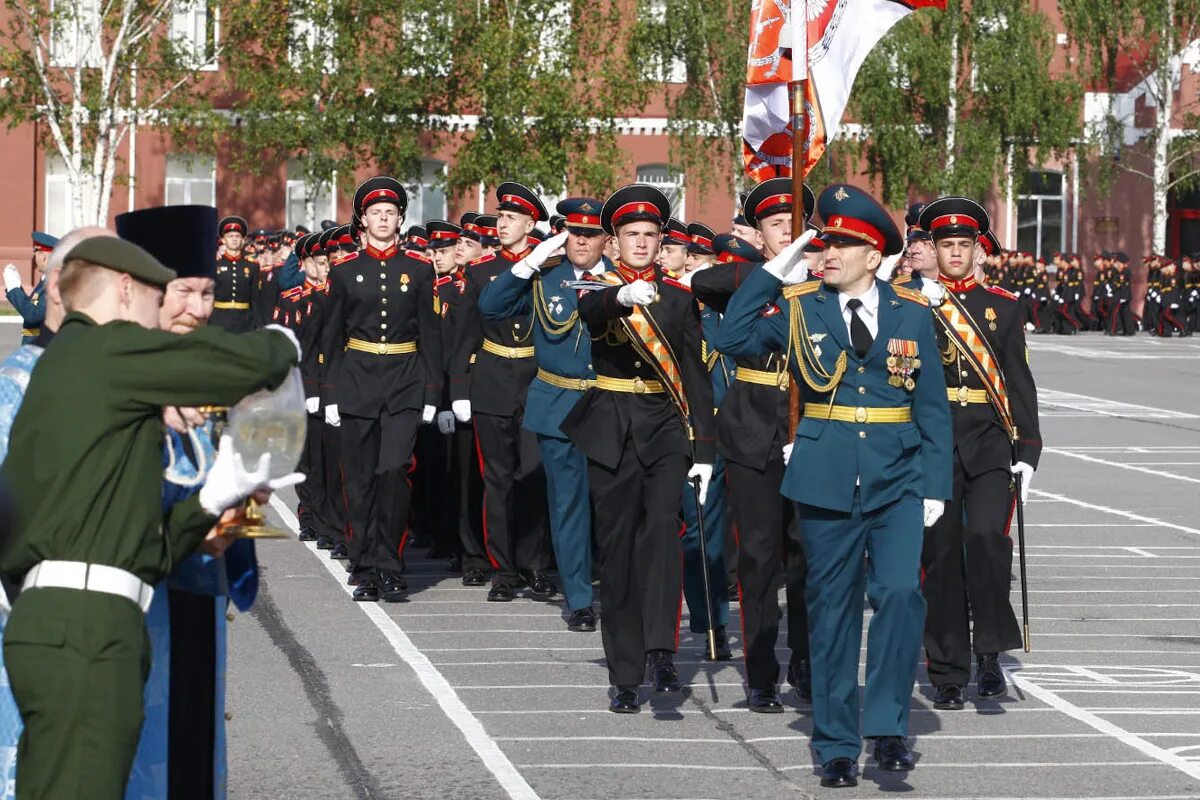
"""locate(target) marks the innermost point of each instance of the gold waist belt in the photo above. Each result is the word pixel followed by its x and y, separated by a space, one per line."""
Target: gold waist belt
pixel 967 396
pixel 857 414
pixel 231 305
pixel 381 348
pixel 506 352
pixel 629 385
pixel 559 382
pixel 761 377
pixel 30 331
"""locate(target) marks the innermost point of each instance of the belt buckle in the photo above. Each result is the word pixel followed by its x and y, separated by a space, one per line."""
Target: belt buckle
pixel 860 415
pixel 512 352
pixel 583 384
pixel 382 348
pixel 639 386
pixel 964 395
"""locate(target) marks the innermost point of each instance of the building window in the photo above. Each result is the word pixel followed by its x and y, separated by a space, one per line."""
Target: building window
pixel 427 198
pixel 304 40
pixel 75 33
pixel 58 197
pixel 669 182
pixel 676 70
pixel 195 32
pixel 191 180
pixel 1040 228
pixel 307 203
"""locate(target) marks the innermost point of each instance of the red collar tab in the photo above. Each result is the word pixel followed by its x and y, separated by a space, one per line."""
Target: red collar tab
pixel 630 274
pixel 841 225
pixel 511 256
pixel 382 254
pixel 964 285
pixel 957 220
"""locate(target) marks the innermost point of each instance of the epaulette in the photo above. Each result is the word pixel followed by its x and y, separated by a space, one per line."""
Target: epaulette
pixel 348 258
pixel 417 256
pixel 1001 292
pixel 443 280
pixel 677 284
pixel 902 280
pixel 911 294
pixel 293 293
pixel 801 289
pixel 482 260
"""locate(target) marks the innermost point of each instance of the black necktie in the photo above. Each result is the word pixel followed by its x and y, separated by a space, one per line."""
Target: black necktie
pixel 860 335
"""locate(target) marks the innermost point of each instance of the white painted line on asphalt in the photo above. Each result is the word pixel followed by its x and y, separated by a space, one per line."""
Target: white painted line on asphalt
pixel 707 767
pixel 452 706
pixel 1116 619
pixel 1058 498
pixel 1158 473
pixel 1080 525
pixel 1140 552
pixel 594 648
pixel 1052 699
pixel 1100 406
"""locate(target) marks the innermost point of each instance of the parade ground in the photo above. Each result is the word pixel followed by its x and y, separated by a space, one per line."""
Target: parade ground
pixel 448 696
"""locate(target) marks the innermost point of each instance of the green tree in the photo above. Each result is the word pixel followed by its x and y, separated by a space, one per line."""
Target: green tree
pixel 951 102
pixel 1150 41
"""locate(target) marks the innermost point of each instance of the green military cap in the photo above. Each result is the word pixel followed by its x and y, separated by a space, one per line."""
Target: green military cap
pixel 122 256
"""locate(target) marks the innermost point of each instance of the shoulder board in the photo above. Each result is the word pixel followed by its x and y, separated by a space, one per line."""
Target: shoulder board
pixel 911 294
pixel 443 280
pixel 800 289
pixel 292 294
pixel 482 260
pixel 677 284
pixel 902 280
pixel 415 256
pixel 348 258
pixel 1001 292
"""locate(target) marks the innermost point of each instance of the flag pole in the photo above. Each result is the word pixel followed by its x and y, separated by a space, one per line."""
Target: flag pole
pixel 797 90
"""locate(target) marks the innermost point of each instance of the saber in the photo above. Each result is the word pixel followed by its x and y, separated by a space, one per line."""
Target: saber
pixel 1021 557
pixel 708 609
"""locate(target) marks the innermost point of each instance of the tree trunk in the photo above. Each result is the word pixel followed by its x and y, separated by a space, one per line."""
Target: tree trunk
pixel 1166 77
pixel 951 113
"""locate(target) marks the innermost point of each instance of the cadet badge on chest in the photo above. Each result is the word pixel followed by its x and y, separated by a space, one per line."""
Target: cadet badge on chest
pixel 902 363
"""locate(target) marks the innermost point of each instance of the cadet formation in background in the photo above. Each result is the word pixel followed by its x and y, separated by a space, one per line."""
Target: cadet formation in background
pixel 533 395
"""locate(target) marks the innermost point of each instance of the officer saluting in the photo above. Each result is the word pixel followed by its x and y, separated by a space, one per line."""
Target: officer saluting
pixel 383 354
pixel 236 277
pixel 990 388
pixel 871 462
pixel 633 426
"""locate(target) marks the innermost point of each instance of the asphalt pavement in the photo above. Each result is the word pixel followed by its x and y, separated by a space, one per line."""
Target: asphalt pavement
pixel 448 696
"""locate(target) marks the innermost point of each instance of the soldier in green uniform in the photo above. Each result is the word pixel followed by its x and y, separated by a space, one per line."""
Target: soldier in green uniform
pixel 91 539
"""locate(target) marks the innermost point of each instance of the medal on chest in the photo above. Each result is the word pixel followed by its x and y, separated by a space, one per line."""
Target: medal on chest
pixel 902 363
pixel 990 315
pixel 404 282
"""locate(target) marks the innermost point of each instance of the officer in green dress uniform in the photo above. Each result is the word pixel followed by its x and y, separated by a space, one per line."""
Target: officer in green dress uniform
pixel 870 465
pixel 32 305
pixel 91 539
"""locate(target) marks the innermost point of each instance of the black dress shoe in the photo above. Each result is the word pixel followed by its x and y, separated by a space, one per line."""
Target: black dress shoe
pixel 625 701
pixel 367 591
pixel 339 552
pixel 722 642
pixel 307 535
pixel 582 620
pixel 541 587
pixel 662 667
pixel 892 754
pixel 500 594
pixel 799 677
pixel 989 678
pixel 765 701
pixel 324 543
pixel 840 773
pixel 393 589
pixel 474 577
pixel 948 697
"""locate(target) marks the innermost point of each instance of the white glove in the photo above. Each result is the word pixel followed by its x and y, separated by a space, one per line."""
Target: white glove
pixel 12 278
pixel 445 422
pixel 787 452
pixel 312 405
pixel 427 414
pixel 887 267
pixel 1026 473
pixel 789 266
pixel 291 335
pixel 531 263
pixel 229 482
pixel 638 293
pixel 332 417
pixel 933 511
pixel 934 291
pixel 462 410
pixel 704 473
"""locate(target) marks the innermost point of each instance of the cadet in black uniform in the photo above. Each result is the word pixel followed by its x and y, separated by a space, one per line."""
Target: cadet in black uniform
pixel 751 435
pixel 1119 292
pixel 490 376
pixel 633 427
pixel 967 554
pixel 236 274
pixel 382 346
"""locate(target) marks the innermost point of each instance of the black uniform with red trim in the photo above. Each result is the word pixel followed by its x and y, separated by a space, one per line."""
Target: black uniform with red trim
pixel 967 554
pixel 233 293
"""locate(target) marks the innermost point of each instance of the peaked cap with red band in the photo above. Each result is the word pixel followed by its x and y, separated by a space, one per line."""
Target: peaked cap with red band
pixel 733 249
pixel 775 196
pixel 517 197
pixel 701 239
pixel 955 216
pixel 442 233
pixel 675 232
pixel 854 217
pixel 635 202
pixel 380 189
pixel 232 224
pixel 581 214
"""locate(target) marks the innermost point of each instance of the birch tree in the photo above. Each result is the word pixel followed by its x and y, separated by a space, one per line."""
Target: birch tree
pixel 1136 52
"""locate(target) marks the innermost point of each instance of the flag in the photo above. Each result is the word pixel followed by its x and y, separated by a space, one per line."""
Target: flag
pixel 838 36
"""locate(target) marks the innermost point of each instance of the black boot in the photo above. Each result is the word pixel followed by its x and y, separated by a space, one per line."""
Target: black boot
pixel 662 669
pixel 989 678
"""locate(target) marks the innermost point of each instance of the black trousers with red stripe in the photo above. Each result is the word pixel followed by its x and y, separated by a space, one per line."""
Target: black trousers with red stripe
pixel 637 528
pixel 466 498
pixel 514 498
pixel 967 564
pixel 769 542
pixel 377 455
